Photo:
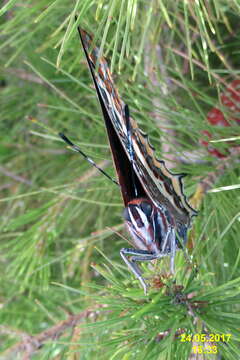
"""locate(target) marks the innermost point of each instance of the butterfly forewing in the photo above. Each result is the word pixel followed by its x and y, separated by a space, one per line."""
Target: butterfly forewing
pixel 113 111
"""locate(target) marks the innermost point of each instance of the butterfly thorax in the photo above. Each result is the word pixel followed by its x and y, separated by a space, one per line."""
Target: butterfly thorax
pixel 150 227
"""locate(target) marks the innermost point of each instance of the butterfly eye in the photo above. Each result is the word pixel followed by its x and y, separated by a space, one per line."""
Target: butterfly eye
pixel 146 208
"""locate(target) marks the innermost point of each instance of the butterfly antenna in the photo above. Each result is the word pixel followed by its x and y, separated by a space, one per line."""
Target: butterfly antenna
pixel 130 147
pixel 77 149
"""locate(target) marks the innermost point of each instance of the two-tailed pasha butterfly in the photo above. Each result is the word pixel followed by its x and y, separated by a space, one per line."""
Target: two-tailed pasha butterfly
pixel 156 212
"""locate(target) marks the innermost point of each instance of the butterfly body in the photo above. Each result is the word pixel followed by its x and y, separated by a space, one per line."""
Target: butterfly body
pixel 157 214
pixel 148 225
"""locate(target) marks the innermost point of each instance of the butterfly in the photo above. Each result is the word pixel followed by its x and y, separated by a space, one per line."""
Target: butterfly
pixel 157 213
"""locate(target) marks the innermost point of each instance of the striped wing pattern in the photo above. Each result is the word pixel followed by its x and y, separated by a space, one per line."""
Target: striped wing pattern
pixel 164 188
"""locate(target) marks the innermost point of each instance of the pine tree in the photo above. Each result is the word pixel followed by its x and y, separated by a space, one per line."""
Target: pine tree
pixel 65 292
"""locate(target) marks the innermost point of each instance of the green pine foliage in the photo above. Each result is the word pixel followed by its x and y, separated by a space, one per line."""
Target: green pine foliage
pixel 61 221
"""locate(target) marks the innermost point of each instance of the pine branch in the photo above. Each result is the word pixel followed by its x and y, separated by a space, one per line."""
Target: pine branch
pixel 32 343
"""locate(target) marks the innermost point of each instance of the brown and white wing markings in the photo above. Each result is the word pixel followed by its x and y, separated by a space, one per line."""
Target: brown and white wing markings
pixel 112 113
pixel 154 180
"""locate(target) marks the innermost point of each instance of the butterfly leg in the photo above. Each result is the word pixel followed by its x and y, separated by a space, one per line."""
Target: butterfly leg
pixel 169 247
pixel 173 250
pixel 138 255
pixel 165 241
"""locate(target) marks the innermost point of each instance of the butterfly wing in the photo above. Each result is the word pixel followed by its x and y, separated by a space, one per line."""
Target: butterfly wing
pixel 153 179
